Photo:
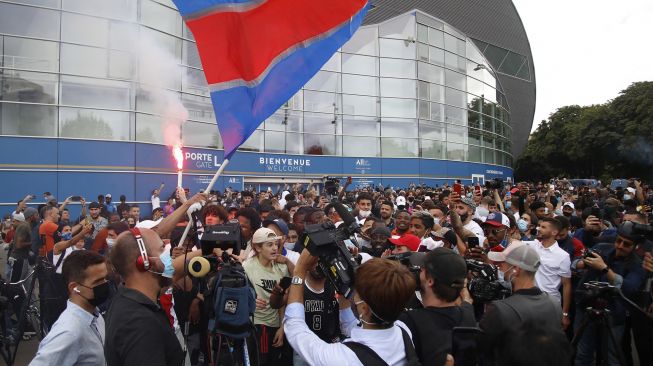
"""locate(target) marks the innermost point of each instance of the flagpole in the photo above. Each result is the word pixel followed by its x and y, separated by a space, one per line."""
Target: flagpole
pixel 207 190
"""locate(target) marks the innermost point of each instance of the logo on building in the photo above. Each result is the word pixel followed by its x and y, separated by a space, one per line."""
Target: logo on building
pixel 202 160
pixel 284 165
pixel 363 165
pixel 490 171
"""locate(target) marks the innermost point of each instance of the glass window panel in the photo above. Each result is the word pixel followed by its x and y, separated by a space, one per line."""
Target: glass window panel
pixel 122 35
pixel 254 142
pixel 473 53
pixel 422 33
pixel 85 92
pixel 82 60
pixel 404 108
pixel 31 54
pixel 432 130
pixel 436 38
pixel 120 65
pixel 402 27
pixel 199 108
pixel 488 156
pixel 399 148
pixel 84 29
pixel 424 109
pixel 359 105
pixel 473 119
pixel 423 90
pixel 455 62
pixel 294 143
pixel 450 30
pixel 360 146
pixel 403 88
pixel 456 134
pixel 455 115
pixel 474 86
pixel 30 87
pixel 363 85
pixel 474 154
pixel 430 73
pixel 474 136
pixel 333 64
pixel 275 142
pixel 524 72
pixel 29 21
pixel 277 121
pixel 360 126
pixel 455 151
pixel 488 139
pixel 119 9
pixel 455 97
pixel 28 120
pixel 363 65
pixel 163 42
pixel 397 68
pixel 437 112
pixel 190 55
pixel 319 101
pixel 450 43
pixel 437 93
pixel 323 81
pixel 319 123
pixel 149 128
pixel 432 149
pixel 201 135
pixel 495 54
pixel 455 80
pixel 436 56
pixel 319 144
pixel 194 81
pixel 423 52
pixel 397 48
pixel 363 42
pixel 94 124
pixel 160 17
pixel 48 3
pixel 399 128
pixel 512 63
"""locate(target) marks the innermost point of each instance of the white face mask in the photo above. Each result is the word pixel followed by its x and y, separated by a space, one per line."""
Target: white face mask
pixel 364 214
pixel 110 242
pixel 627 197
pixel 436 220
pixel 482 211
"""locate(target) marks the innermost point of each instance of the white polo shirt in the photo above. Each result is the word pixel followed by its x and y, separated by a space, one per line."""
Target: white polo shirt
pixel 554 265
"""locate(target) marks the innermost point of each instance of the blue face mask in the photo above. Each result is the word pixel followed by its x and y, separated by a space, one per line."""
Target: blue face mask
pixel 522 225
pixel 66 236
pixel 166 259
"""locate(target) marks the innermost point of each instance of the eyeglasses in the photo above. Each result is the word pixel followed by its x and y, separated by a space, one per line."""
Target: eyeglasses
pixel 494 232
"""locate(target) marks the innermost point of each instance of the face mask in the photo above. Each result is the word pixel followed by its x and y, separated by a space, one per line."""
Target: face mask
pixel 110 242
pixel 288 246
pixel 522 225
pixel 436 220
pixel 364 214
pixel 101 293
pixel 67 236
pixel 501 276
pixel 627 197
pixel 166 259
pixel 482 211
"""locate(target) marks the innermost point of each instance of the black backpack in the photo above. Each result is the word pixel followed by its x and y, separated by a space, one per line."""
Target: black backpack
pixel 370 358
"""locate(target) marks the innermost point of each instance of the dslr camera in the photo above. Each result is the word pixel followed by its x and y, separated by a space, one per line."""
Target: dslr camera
pixel 485 285
pixel 409 259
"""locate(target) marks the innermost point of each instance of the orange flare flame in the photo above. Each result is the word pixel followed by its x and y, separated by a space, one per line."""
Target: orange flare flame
pixel 179 156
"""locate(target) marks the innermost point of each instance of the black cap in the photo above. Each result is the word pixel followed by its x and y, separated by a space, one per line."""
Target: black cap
pixel 93 205
pixel 444 265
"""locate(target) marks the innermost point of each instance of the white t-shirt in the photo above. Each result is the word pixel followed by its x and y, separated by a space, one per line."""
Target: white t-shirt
pixel 554 265
pixel 156 202
pixel 66 253
pixel 477 230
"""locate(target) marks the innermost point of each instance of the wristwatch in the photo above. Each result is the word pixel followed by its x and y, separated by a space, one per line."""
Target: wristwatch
pixel 296 280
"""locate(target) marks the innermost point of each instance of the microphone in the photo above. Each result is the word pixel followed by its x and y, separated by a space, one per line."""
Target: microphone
pixel 349 222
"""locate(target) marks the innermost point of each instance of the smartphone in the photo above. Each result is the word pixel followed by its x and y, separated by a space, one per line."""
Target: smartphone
pixel 75 198
pixel 463 345
pixel 478 189
pixel 472 242
pixel 285 282
pixel 457 187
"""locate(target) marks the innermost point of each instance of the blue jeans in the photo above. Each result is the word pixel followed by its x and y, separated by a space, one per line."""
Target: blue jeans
pixel 588 345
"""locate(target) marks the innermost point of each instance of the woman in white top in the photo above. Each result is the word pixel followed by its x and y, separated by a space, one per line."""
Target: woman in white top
pixel 383 288
pixel 69 244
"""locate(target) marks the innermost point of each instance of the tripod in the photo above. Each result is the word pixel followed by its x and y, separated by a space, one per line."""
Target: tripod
pixel 602 318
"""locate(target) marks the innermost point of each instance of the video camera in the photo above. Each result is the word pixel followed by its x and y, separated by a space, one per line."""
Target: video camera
pixel 485 285
pixel 225 237
pixel 409 259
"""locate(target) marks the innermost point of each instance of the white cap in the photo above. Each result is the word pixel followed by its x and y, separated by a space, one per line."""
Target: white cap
pixel 264 235
pixel 518 254
pixel 631 190
pixel 18 216
pixel 401 201
pixel 569 204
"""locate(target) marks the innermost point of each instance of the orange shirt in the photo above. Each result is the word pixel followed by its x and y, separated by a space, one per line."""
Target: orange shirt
pixel 47 231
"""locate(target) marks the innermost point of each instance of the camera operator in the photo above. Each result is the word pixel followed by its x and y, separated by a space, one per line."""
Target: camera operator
pixel 618 265
pixel 442 284
pixel 517 265
pixel 383 288
pixel 138 329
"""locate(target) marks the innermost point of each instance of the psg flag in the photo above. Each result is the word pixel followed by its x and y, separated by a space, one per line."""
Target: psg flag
pixel 257 54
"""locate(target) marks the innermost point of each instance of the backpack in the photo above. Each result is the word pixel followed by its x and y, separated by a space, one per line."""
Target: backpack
pixel 234 303
pixel 368 357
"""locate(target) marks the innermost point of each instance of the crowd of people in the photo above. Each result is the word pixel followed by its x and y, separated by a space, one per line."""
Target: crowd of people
pixel 120 292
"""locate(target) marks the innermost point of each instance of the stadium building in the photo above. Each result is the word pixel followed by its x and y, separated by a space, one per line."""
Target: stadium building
pixel 425 92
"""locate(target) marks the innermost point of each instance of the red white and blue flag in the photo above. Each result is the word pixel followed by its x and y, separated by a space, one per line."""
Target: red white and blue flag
pixel 257 54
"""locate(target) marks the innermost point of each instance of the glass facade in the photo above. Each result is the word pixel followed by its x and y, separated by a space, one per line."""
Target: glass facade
pixel 409 87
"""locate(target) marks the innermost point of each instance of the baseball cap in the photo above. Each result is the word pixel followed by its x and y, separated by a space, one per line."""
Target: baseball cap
pixel 410 241
pixel 108 195
pixel 444 265
pixel 381 230
pixel 264 235
pixel 281 224
pixel 518 254
pixel 29 212
pixel 569 204
pixel 469 202
pixel 93 205
pixel 18 216
pixel 497 219
pixel 401 201
pixel 631 190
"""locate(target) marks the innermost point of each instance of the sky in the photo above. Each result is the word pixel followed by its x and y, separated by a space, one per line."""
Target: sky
pixel 586 51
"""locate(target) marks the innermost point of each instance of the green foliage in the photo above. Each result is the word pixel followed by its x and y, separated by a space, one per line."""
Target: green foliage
pixel 611 140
